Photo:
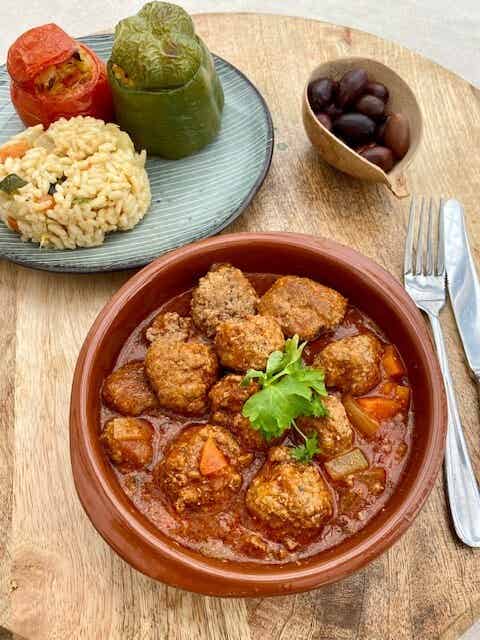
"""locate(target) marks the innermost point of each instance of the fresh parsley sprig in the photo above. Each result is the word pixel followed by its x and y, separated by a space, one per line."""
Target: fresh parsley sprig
pixel 305 452
pixel 289 389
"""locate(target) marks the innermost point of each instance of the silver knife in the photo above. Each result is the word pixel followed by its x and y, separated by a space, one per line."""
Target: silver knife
pixel 464 290
pixel 463 284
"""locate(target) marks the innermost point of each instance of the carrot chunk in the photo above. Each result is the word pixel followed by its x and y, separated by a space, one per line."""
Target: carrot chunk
pixel 402 394
pixel 388 389
pixel 399 392
pixel 378 407
pixel 212 459
pixel 12 223
pixel 14 150
pixel 392 363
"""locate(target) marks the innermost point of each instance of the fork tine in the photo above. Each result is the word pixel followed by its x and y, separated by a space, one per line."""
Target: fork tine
pixel 408 259
pixel 419 250
pixel 441 245
pixel 429 269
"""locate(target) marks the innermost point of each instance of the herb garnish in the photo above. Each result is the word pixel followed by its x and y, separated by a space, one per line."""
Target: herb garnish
pixel 11 183
pixel 305 452
pixel 289 389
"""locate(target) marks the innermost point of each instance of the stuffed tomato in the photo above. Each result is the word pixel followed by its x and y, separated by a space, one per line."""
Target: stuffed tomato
pixel 166 91
pixel 54 76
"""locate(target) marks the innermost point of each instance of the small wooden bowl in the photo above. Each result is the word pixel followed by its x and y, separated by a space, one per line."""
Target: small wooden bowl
pixel 336 152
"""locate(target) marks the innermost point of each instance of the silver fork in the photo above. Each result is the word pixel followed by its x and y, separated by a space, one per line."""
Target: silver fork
pixel 424 278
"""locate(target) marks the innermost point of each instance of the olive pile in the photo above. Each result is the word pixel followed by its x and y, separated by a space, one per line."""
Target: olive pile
pixel 354 109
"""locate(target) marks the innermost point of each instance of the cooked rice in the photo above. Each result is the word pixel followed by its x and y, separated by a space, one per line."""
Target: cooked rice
pixel 105 186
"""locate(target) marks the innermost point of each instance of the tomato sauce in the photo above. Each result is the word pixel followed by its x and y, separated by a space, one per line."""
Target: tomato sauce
pixel 233 534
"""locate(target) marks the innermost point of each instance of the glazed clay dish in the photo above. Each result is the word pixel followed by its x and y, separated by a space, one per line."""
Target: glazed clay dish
pixel 176 465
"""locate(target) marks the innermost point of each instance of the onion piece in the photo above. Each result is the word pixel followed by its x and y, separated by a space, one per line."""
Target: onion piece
pixel 360 420
pixel 345 465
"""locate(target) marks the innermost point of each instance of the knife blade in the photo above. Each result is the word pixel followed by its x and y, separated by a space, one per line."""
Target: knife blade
pixel 463 283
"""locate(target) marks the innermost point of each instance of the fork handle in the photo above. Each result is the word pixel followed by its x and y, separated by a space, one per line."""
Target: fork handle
pixel 463 492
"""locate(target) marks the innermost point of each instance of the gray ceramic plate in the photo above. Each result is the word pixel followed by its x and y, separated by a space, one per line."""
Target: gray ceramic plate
pixel 191 198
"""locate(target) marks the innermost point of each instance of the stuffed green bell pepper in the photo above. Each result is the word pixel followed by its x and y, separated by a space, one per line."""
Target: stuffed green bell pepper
pixel 166 91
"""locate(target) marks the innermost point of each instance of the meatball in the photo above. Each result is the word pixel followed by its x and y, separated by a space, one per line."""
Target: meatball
pixel 334 431
pixel 192 483
pixel 227 398
pixel 351 364
pixel 172 326
pixel 246 344
pixel 303 307
pixel 181 374
pixel 290 498
pixel 128 391
pixel 223 294
pixel 128 442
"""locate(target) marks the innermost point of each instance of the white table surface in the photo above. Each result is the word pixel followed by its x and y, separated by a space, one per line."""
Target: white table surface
pixel 447 31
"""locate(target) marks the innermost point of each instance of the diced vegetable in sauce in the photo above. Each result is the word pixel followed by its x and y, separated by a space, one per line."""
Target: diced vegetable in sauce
pixel 347 464
pixel 367 425
pixel 378 408
pixel 212 459
pixel 400 392
pixel 392 363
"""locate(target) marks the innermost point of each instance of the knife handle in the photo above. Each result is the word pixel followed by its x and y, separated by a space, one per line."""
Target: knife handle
pixel 462 488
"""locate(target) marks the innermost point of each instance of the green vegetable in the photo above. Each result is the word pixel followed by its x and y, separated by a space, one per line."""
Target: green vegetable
pixel 305 452
pixel 289 389
pixel 165 88
pixel 81 200
pixel 11 183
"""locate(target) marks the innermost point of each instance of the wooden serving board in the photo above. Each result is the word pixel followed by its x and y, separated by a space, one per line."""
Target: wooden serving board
pixel 58 579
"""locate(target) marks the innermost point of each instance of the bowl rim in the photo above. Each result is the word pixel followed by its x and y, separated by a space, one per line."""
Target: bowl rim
pixel 180 567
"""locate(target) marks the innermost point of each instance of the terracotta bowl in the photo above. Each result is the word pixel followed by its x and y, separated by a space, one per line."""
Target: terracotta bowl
pixel 367 285
pixel 337 153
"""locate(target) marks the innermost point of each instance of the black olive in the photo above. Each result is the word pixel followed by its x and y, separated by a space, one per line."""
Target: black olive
pixel 76 55
pixel 351 87
pixel 370 106
pixel 320 93
pixel 354 127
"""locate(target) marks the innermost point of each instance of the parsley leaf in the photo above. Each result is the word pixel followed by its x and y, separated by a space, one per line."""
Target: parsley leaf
pixel 305 452
pixel 252 374
pixel 289 389
pixel 274 363
pixel 272 410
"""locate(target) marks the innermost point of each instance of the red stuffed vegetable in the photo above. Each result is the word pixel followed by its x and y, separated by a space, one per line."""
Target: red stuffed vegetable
pixel 55 76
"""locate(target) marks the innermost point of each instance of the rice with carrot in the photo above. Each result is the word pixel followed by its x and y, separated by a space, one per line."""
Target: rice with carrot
pixel 68 186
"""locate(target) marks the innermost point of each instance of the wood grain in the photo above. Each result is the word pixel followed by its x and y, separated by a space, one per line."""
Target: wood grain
pixel 58 579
